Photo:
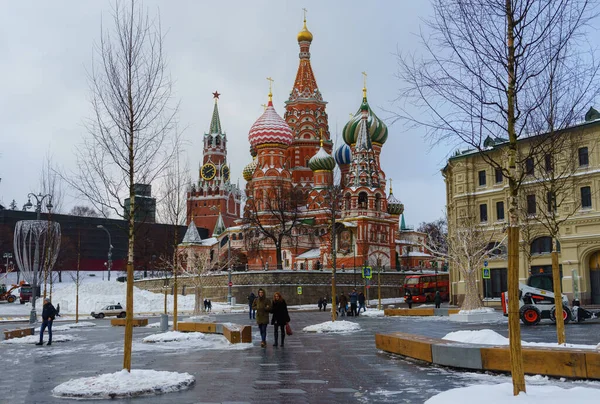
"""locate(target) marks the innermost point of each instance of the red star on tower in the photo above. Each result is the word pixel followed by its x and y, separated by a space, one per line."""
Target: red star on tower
pixel 216 95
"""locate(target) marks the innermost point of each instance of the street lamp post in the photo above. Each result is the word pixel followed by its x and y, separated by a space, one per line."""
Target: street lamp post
pixel 39 199
pixel 7 256
pixel 110 247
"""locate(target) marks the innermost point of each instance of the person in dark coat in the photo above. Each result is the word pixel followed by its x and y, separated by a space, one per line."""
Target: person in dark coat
pixel 251 312
pixel 280 316
pixel 325 303
pixel 361 302
pixel 209 305
pixel 437 299
pixel 408 299
pixel 354 302
pixel 58 310
pixel 262 306
pixel 320 303
pixel 343 304
pixel 48 315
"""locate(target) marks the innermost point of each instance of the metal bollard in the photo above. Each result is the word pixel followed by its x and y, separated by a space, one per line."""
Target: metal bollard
pixel 164 322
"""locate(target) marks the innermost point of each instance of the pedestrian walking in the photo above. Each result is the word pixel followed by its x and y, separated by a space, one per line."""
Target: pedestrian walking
pixel 343 304
pixel 325 303
pixel 205 305
pixel 262 306
pixel 361 302
pixel 437 299
pixel 354 302
pixel 209 305
pixel 48 314
pixel 58 310
pixel 251 312
pixel 320 303
pixel 408 299
pixel 280 316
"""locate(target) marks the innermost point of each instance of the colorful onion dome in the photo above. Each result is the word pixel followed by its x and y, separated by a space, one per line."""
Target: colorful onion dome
pixel 394 207
pixel 305 34
pixel 343 154
pixel 248 171
pixel 270 128
pixel 377 130
pixel 321 161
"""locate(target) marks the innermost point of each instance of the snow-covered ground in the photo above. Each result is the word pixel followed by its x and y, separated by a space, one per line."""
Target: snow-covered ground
pixel 124 384
pixel 340 326
pixel 33 339
pixel 372 313
pixel 503 394
pixel 489 337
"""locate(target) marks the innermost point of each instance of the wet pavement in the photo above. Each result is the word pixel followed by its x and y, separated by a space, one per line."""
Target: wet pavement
pixel 312 368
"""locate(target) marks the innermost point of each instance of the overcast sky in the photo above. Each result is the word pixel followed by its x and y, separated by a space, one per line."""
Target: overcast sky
pixel 230 46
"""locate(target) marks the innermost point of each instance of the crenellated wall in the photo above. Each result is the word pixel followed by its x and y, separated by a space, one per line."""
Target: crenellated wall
pixel 314 284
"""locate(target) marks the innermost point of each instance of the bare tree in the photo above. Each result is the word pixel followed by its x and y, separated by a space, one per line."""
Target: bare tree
pixel 273 215
pixel 195 264
pixel 133 128
pixel 51 184
pixel 76 278
pixel 437 233
pixel 483 77
pixel 81 210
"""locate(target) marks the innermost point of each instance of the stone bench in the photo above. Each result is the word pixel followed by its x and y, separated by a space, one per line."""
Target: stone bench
pixel 557 362
pixel 18 333
pixel 425 311
pixel 233 332
pixel 137 322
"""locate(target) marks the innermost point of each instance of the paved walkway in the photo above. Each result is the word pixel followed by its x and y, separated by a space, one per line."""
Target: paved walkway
pixel 312 368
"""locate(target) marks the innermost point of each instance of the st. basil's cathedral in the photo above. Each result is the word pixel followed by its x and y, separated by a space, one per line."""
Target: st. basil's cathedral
pixel 293 162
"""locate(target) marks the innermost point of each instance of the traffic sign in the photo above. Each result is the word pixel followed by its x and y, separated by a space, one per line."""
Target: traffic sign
pixel 367 272
pixel 299 290
pixel 486 273
pixel 485 263
pixel 230 284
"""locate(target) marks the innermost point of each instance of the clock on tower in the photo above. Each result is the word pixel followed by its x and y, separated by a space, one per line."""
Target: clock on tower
pixel 208 171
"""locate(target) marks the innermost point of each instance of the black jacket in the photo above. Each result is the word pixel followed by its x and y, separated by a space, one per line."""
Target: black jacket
pixel 280 313
pixel 49 312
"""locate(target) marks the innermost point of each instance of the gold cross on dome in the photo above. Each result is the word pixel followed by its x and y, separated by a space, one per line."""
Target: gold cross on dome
pixel 305 11
pixel 364 79
pixel 264 106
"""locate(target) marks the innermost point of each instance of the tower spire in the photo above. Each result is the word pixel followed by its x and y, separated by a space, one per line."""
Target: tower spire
pixel 364 85
pixel 215 122
pixel 270 91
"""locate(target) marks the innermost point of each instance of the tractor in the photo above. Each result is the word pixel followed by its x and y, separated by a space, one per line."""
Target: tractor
pixel 6 295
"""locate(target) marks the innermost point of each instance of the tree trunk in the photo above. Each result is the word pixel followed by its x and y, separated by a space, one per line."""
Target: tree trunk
pixel 472 300
pixel 278 252
pixel 560 323
pixel 197 297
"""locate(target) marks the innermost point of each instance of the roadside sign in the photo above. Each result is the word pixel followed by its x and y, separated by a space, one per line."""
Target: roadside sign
pixel 230 284
pixel 486 273
pixel 299 290
pixel 367 273
pixel 485 263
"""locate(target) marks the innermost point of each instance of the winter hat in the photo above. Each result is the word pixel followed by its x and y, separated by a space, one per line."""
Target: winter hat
pixel 46 300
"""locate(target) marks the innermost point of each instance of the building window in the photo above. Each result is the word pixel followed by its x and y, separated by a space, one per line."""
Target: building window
pixel 495 249
pixel 499 211
pixel 529 166
pixel 362 200
pixel 548 162
pixel 498 283
pixel 586 197
pixel 551 202
pixel 584 158
pixel 499 176
pixel 543 245
pixel 483 213
pixel 482 178
pixel 377 202
pixel 531 206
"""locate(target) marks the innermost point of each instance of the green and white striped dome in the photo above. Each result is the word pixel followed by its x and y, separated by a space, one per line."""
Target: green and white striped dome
pixel 322 161
pixel 377 130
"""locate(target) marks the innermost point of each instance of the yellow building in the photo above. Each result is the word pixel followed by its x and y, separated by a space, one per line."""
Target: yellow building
pixel 476 188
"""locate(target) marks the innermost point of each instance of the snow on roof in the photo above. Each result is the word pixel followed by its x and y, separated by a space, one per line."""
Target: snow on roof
pixel 191 235
pixel 418 254
pixel 310 254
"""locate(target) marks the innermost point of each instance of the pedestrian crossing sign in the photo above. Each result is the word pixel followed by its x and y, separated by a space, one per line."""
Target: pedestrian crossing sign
pixel 367 273
pixel 486 273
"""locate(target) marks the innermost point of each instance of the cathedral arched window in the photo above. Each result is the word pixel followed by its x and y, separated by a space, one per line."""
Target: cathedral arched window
pixel 363 200
pixel 234 237
pixel 241 236
pixel 378 202
pixel 218 140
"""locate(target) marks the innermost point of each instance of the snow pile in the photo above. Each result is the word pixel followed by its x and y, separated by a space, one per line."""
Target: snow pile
pixel 176 341
pixel 477 311
pixel 333 326
pixel 124 384
pixel 157 325
pixel 83 324
pixel 489 337
pixel 372 313
pixel 503 393
pixel 34 339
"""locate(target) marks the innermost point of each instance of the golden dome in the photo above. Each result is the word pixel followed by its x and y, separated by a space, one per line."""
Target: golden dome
pixel 305 34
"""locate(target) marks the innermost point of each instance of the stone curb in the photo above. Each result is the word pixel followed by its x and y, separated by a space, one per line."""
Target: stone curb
pixel 571 363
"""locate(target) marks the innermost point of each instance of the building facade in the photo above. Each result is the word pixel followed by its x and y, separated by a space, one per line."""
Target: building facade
pixel 474 188
pixel 300 189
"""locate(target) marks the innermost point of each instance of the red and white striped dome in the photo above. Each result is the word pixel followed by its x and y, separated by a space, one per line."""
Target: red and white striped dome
pixel 270 128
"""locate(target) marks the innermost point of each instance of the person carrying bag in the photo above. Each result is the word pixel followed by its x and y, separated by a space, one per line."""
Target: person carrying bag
pixel 281 318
